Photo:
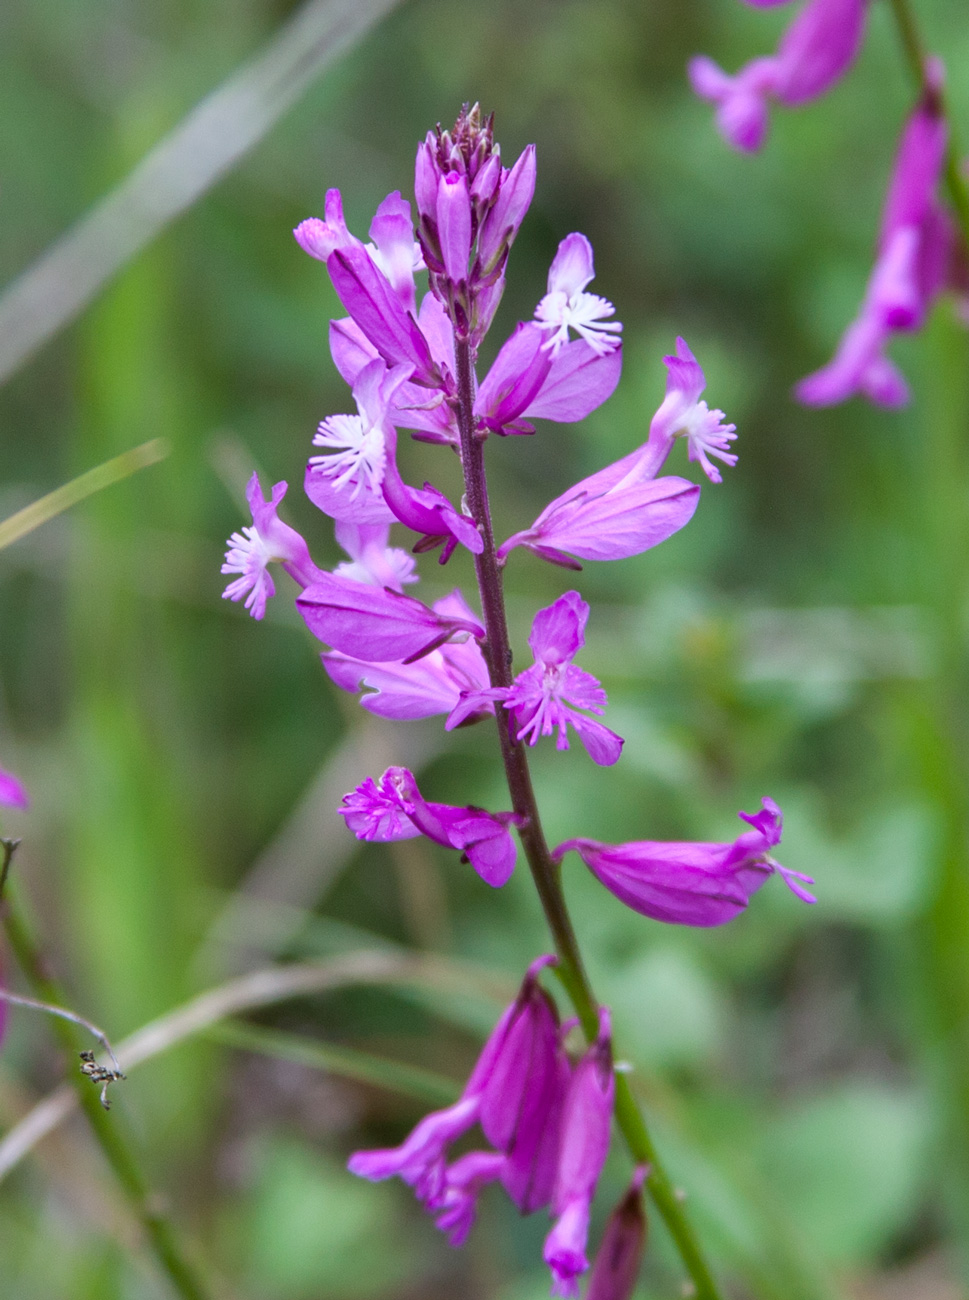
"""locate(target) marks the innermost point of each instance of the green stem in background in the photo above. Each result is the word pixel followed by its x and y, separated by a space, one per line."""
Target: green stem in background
pixel 545 872
pixel 916 55
pixel 106 1129
pixel 85 485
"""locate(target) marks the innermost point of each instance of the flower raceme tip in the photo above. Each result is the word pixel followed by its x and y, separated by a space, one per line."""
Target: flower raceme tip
pixel 692 883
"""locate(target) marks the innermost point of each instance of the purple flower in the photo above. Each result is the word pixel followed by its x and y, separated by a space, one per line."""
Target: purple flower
pixel 624 509
pixel 321 238
pixel 371 559
pixel 567 306
pixel 690 883
pixel 912 265
pixel 516 1088
pixel 394 809
pixel 375 623
pixel 12 791
pixel 529 381
pixel 816 50
pixel 359 482
pixel 602 519
pixel 267 541
pixel 428 686
pixel 377 309
pixel 683 414
pixel 583 1147
pixel 347 482
pixel 426 510
pixel 545 698
pixel 616 1266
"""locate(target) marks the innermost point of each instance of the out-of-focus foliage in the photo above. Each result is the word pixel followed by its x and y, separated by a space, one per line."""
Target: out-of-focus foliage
pixel 801 638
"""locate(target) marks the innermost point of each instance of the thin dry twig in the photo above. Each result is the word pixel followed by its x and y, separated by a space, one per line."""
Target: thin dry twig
pixel 206 144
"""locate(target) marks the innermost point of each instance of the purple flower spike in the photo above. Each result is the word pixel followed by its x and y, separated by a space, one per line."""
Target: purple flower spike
pixel 816 50
pixel 370 622
pixel 523 1053
pixel 586 1121
pixel 567 306
pixel 12 791
pixel 394 809
pixel 692 883
pixel 544 698
pixel 616 1267
pixel 267 541
pixel 912 266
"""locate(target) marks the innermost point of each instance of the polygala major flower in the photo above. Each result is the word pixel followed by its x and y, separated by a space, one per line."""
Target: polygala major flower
pixel 394 809
pixel 691 883
pixel 545 699
pixel 432 684
pixel 566 306
pixel 267 541
pixel 625 509
pixel 913 261
pixel 816 50
pixel 515 1093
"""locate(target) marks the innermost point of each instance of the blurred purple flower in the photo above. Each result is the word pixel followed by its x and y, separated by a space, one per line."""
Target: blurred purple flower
pixel 616 1267
pixel 691 883
pixel 815 51
pixel 371 559
pixel 12 791
pixel 915 254
pixel 267 541
pixel 584 1145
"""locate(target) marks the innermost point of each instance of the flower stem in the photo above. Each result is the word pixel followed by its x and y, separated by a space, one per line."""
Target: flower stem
pixel 106 1129
pixel 917 56
pixel 545 872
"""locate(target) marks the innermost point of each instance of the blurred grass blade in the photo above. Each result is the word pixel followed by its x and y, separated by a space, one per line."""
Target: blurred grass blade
pixel 350 1063
pixel 207 143
pixel 85 485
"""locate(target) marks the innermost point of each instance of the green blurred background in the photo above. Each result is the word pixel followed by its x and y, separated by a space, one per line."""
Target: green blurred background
pixel 806 1071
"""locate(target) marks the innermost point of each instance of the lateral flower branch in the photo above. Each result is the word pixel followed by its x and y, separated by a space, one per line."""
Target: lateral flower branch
pixel 410 360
